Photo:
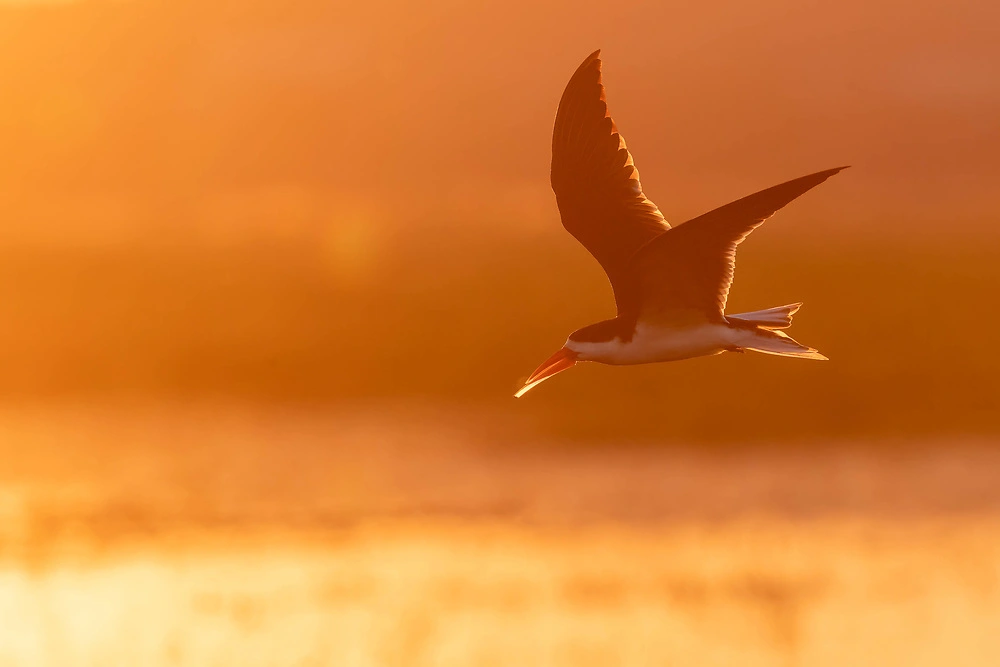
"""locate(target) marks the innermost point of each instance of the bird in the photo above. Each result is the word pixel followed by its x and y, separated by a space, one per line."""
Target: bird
pixel 670 284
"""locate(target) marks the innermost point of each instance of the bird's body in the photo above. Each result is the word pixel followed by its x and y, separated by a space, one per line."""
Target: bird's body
pixel 651 344
pixel 670 284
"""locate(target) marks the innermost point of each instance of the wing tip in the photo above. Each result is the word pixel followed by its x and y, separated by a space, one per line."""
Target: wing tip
pixel 826 173
pixel 593 58
pixel 592 62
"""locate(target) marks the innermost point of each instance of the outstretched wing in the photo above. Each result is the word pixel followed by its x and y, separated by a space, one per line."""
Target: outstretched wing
pixel 595 180
pixel 686 273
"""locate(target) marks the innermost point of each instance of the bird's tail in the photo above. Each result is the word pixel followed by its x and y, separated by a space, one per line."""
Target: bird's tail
pixel 778 343
pixel 772 318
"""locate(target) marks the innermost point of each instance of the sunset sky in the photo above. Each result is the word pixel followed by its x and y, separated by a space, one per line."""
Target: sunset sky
pixel 271 271
pixel 444 109
pixel 352 199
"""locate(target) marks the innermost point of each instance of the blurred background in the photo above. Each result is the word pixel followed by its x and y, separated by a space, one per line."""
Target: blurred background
pixel 271 271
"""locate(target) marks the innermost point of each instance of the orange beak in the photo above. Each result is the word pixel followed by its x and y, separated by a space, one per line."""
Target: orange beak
pixel 557 363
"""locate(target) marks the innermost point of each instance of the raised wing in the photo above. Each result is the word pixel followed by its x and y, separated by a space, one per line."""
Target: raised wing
pixel 595 180
pixel 686 273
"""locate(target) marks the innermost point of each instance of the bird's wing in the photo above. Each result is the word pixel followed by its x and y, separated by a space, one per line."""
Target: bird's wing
pixel 596 183
pixel 686 273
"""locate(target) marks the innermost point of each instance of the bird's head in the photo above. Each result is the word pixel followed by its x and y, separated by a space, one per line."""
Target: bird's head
pixel 584 344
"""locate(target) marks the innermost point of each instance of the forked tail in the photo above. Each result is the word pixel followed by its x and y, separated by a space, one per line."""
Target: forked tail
pixel 759 332
pixel 779 343
pixel 772 318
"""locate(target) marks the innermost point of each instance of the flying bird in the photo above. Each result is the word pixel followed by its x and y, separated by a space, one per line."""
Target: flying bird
pixel 670 283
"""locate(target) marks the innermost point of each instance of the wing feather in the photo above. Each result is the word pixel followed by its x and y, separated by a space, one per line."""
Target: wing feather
pixel 595 180
pixel 686 273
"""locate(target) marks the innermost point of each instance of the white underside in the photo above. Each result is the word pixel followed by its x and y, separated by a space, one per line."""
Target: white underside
pixel 652 344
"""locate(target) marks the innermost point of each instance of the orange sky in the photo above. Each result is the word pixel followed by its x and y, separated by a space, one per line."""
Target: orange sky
pixel 355 139
pixel 444 110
